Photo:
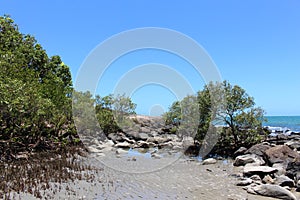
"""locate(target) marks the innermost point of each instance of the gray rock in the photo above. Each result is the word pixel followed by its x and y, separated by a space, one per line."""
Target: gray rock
pixel 209 161
pixel 121 151
pixel 244 182
pixel 284 181
pixel 281 167
pixel 258 149
pixel 155 155
pixel 298 186
pixel 258 170
pixel 274 191
pixel 143 136
pixel 293 145
pixel 248 158
pixel 144 144
pixel 92 149
pixel 240 151
pixel 123 145
pixel 256 178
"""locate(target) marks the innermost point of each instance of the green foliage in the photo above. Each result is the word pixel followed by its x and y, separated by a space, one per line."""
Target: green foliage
pixel 35 103
pixel 113 112
pixel 220 104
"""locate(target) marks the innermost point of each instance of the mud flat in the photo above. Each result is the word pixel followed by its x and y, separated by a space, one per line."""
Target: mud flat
pixel 129 176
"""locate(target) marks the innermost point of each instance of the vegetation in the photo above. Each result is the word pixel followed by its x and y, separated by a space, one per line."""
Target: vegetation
pixel 111 112
pixel 226 105
pixel 35 103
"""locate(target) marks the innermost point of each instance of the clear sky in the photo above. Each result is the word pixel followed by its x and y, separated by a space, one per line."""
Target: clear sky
pixel 255 44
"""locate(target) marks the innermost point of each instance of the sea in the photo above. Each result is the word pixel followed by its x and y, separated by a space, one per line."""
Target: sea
pixel 283 123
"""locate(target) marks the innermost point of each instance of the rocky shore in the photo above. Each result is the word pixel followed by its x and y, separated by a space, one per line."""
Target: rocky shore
pixel 146 161
pixel 271 168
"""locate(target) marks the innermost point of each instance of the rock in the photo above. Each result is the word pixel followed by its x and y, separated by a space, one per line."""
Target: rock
pixel 284 181
pixel 298 186
pixel 121 151
pixel 187 142
pixel 293 145
pixel 258 149
pixel 158 140
pixel 280 167
pixel 248 158
pixel 123 145
pixel 244 182
pixel 144 144
pixel 268 179
pixel 274 191
pixel 92 149
pixel 256 178
pixel 145 130
pixel 143 136
pixel 155 155
pixel 258 170
pixel 240 151
pixel 209 161
pixel 293 170
pixel 281 154
pixel 117 137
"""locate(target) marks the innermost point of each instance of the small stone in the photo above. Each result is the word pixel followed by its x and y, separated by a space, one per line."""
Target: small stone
pixel 268 179
pixel 209 161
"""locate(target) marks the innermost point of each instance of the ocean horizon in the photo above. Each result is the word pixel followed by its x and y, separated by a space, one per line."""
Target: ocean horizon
pixel 291 123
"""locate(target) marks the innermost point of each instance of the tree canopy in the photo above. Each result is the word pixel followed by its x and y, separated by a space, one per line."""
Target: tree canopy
pixel 35 91
pixel 228 108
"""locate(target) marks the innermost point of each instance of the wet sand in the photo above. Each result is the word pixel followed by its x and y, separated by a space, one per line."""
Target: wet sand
pixel 128 177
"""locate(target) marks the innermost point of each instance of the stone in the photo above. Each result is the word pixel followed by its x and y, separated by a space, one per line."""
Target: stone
pixel 258 170
pixel 258 149
pixel 280 167
pixel 121 151
pixel 244 182
pixel 268 179
pixel 123 145
pixel 144 144
pixel 273 191
pixel 255 178
pixel 281 154
pixel 209 161
pixel 284 181
pixel 295 145
pixel 240 151
pixel 145 130
pixel 143 136
pixel 92 149
pixel 293 170
pixel 155 155
pixel 298 186
pixel 248 158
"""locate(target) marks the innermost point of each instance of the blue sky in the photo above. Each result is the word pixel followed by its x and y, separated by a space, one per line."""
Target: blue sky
pixel 255 44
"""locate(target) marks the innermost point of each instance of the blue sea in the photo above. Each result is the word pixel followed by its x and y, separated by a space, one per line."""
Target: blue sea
pixel 284 122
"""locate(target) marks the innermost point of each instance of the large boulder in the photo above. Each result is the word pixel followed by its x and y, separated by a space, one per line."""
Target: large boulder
pixel 258 170
pixel 248 159
pixel 273 191
pixel 281 154
pixel 258 149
